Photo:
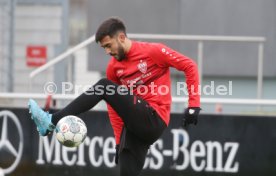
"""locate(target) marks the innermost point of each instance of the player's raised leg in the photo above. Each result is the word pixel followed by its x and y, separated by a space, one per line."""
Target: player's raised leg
pixel 129 107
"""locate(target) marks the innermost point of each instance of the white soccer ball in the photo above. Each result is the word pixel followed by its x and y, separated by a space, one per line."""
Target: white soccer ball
pixel 71 131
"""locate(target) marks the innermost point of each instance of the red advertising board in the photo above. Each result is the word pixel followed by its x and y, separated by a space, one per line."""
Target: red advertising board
pixel 36 55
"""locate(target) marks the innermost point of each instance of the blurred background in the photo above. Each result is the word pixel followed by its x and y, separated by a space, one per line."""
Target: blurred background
pixel 233 44
pixel 46 43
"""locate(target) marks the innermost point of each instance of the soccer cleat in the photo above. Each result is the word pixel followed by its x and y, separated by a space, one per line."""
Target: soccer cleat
pixel 42 119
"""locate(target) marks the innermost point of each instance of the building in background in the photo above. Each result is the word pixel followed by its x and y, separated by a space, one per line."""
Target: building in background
pixel 59 25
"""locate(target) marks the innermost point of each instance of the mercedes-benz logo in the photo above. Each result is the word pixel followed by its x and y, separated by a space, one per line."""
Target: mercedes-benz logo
pixel 5 143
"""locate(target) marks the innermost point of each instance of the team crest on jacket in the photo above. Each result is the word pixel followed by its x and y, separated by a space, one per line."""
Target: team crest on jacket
pixel 142 66
pixel 119 72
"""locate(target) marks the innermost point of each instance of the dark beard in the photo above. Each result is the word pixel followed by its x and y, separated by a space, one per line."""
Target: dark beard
pixel 121 54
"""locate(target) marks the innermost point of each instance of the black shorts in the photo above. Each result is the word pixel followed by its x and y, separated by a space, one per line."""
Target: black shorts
pixel 138 116
pixel 145 132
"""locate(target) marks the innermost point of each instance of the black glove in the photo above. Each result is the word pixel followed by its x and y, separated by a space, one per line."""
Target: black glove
pixel 190 116
pixel 117 154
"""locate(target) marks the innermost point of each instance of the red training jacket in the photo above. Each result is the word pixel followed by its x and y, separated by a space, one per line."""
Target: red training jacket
pixel 146 70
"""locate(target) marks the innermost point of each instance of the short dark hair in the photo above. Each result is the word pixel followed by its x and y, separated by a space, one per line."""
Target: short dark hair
pixel 110 27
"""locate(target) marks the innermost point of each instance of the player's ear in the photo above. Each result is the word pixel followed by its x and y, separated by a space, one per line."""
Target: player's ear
pixel 121 37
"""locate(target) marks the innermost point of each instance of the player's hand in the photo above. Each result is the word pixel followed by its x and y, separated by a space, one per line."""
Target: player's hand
pixel 190 116
pixel 117 154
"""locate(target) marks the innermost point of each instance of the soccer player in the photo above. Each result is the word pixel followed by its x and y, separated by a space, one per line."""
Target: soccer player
pixel 139 111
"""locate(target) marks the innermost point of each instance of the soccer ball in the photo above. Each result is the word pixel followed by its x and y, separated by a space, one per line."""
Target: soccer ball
pixel 71 131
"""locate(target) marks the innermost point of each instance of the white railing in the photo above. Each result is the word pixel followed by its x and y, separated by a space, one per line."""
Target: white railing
pixel 236 101
pixel 199 38
pixel 61 57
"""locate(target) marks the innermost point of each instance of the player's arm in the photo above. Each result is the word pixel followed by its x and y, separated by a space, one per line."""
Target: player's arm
pixel 167 57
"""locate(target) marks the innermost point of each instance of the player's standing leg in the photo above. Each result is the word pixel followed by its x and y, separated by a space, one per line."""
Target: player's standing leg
pixel 129 164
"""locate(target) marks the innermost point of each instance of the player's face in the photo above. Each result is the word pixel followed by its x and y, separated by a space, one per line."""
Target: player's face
pixel 113 47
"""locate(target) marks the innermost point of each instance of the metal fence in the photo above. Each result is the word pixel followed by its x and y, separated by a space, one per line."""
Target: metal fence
pixel 200 39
